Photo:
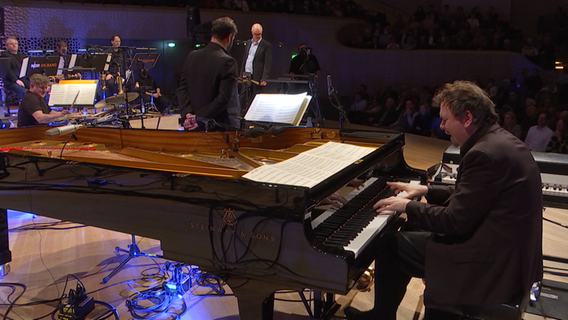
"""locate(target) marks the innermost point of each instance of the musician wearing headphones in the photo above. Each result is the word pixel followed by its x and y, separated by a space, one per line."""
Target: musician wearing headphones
pixel 33 109
pixel 149 90
pixel 304 63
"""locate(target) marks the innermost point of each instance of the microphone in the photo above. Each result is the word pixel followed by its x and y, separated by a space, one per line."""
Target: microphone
pixel 63 130
pixel 276 130
pixel 253 132
pixel 329 86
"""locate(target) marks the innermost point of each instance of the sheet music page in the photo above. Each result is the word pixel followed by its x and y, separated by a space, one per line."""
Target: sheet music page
pixel 64 94
pixel 24 68
pixel 310 167
pixel 278 108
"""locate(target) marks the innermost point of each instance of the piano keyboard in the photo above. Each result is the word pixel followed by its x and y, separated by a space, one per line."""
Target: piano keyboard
pixel 354 225
pixel 553 173
pixel 554 186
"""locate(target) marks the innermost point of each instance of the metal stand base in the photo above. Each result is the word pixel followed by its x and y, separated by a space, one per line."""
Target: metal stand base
pixel 133 252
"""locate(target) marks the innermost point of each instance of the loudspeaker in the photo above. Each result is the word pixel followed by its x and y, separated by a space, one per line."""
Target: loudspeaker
pixel 193 19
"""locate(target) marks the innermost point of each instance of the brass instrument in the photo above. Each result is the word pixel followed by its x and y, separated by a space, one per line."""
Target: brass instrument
pixel 102 80
pixel 118 82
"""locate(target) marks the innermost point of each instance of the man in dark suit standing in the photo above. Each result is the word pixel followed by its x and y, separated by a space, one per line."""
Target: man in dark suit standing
pixel 481 242
pixel 208 95
pixel 258 59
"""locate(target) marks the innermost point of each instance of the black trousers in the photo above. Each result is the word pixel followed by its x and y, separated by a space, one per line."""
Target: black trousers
pixel 400 258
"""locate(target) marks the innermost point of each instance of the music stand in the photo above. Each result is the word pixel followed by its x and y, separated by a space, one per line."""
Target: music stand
pixel 90 61
pixel 48 65
pixel 147 59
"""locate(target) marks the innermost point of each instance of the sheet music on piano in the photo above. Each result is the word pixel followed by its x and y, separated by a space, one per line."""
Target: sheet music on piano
pixel 278 108
pixel 310 167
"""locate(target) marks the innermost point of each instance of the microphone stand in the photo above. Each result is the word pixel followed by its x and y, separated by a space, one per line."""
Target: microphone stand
pixel 337 105
pixel 72 136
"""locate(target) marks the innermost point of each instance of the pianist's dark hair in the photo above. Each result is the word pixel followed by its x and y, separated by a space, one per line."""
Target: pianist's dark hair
pixel 465 95
pixel 222 27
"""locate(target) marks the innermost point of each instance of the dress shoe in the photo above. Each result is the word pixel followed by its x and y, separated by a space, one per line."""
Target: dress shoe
pixel 354 314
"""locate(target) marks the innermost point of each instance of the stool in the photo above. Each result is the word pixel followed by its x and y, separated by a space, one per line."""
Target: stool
pixel 513 310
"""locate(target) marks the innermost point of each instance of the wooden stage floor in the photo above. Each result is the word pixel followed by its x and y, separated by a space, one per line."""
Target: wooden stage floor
pixel 43 259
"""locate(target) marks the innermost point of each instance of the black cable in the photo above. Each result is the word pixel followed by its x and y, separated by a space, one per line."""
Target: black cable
pixel 13 286
pixel 556 223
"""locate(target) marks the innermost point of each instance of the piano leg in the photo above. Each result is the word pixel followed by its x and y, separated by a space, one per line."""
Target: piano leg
pixel 254 297
pixel 5 254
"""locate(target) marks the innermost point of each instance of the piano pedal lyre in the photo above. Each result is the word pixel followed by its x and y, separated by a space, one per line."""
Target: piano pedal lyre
pixel 366 280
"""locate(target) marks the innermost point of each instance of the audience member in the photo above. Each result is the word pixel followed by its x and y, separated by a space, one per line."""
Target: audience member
pixel 539 135
pixel 422 122
pixel 559 140
pixel 510 124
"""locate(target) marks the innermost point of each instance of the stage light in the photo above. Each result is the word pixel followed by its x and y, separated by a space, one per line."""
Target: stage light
pixel 295 54
pixel 171 44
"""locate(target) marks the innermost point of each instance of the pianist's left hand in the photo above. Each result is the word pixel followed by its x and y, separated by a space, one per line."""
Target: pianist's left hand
pixel 336 200
pixel 389 205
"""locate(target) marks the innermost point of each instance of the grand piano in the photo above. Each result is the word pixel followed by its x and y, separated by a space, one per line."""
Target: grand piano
pixel 187 190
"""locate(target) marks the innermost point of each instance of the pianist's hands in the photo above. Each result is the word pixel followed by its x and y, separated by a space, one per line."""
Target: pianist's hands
pixel 336 200
pixel 398 203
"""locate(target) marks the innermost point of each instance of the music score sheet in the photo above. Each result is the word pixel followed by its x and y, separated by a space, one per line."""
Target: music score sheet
pixel 65 94
pixel 278 108
pixel 310 167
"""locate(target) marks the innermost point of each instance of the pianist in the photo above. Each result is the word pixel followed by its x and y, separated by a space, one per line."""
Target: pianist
pixel 33 108
pixel 478 242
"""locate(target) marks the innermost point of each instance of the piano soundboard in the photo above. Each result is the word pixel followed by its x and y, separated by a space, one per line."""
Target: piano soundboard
pixel 553 172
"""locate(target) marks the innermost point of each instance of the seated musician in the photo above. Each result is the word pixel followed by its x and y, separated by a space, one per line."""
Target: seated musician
pixel 481 242
pixel 61 50
pixel 116 67
pixel 12 81
pixel 149 90
pixel 33 108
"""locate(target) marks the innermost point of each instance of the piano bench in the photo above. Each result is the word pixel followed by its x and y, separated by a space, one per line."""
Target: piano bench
pixel 506 311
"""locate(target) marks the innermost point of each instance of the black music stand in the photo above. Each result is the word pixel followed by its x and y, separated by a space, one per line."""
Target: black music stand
pixel 48 65
pixel 145 60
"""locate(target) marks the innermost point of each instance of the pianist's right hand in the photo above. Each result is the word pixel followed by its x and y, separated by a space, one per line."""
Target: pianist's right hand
pixel 414 191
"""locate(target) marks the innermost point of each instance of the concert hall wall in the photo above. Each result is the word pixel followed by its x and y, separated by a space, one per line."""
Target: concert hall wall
pixel 39 24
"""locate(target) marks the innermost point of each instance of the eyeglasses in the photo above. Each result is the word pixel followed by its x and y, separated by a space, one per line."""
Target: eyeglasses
pixel 11 43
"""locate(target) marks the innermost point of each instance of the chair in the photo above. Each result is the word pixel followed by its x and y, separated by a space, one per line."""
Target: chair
pixel 513 310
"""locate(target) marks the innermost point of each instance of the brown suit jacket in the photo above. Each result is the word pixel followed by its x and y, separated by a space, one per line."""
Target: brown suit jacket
pixel 487 242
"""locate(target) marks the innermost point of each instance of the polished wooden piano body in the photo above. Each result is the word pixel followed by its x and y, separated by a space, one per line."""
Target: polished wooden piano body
pixel 186 189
